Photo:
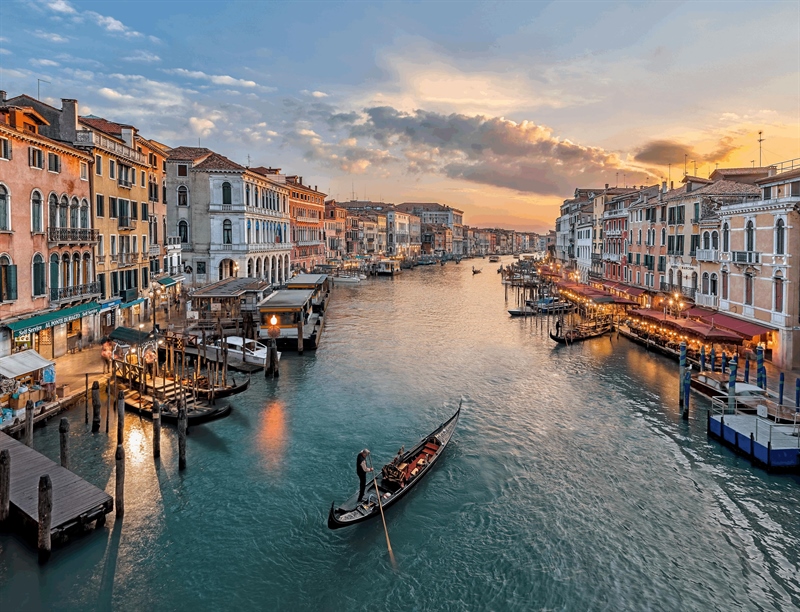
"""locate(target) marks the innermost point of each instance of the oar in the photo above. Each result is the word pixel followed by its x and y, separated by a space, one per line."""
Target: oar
pixel 383 518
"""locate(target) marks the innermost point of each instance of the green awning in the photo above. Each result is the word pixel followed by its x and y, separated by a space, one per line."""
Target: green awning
pixel 132 303
pixel 167 281
pixel 128 335
pixel 51 319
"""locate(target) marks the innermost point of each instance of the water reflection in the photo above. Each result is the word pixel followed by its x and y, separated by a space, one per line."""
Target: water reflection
pixel 272 436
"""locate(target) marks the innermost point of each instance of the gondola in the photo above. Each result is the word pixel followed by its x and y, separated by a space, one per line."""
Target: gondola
pixel 396 479
pixel 576 335
pixel 220 392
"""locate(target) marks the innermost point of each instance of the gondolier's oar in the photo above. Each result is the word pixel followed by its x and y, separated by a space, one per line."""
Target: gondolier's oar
pixel 380 505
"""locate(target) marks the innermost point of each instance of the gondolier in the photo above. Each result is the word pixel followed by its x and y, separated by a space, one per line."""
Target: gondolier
pixel 361 470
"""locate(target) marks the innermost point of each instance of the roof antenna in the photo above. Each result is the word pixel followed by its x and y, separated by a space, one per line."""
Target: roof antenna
pixel 669 172
pixel 760 140
pixel 248 160
pixel 39 88
pixel 685 159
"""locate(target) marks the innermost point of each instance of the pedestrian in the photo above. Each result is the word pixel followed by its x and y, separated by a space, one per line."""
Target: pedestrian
pixel 361 470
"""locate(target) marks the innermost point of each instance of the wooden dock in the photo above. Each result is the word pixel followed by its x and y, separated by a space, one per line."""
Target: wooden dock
pixel 76 503
pixel 773 446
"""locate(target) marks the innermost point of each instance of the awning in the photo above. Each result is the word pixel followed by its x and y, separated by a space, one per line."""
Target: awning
pixel 634 291
pixel 699 312
pixel 22 363
pixel 745 329
pixel 132 303
pixel 51 319
pixel 128 335
pixel 167 281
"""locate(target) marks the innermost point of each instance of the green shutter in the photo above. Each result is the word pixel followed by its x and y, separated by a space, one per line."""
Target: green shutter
pixel 38 278
pixel 11 282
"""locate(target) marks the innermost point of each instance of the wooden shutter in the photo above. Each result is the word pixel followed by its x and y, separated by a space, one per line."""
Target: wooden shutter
pixel 38 277
pixel 11 282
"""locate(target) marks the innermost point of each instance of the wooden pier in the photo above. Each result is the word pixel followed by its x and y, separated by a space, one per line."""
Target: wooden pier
pixel 76 503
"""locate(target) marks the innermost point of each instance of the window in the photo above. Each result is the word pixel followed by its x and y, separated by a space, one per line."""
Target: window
pixel 183 196
pixel 84 171
pixel 98 165
pixel 73 213
pixel 706 283
pixel 112 169
pixel 694 243
pixel 201 267
pixel 100 206
pixel 780 237
pixel 84 214
pixel 36 213
pixel 778 294
pixel 726 238
pixel 35 158
pixel 714 284
pixel 5 210
pixel 134 210
pixel 8 279
pixel 53 162
pixel 226 193
pixel 227 232
pixel 706 240
pixel 724 285
pixel 183 170
pixel 183 231
pixel 101 252
pixel 144 179
pixel 5 148
pixel 748 288
pixel 112 207
pixel 134 244
pixel 714 240
pixel 145 215
pixel 38 275
pixel 749 237
pixel 113 245
pixel 767 193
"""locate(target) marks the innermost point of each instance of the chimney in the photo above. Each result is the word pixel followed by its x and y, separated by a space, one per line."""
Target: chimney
pixel 672 185
pixel 127 136
pixel 664 186
pixel 68 122
pixel 606 185
pixel 771 171
pixel 2 97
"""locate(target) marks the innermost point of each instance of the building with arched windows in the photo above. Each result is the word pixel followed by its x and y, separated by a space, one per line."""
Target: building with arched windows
pixel 232 221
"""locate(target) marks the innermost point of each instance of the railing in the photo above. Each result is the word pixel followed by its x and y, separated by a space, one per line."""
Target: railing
pixel 685 291
pixel 126 222
pixel 596 275
pixel 746 257
pixel 72 234
pixel 765 408
pixel 597 257
pixel 125 259
pixel 709 301
pixel 87 137
pixel 707 255
pixel 173 241
pixel 124 183
pixel 155 249
pixel 611 256
pixel 614 232
pixel 695 220
pixel 61 294
pixel 100 260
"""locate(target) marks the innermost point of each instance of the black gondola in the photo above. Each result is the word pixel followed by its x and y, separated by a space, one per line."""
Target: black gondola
pixel 396 478
pixel 582 333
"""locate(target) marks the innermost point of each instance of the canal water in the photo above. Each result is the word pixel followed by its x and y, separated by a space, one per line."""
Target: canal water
pixel 571 484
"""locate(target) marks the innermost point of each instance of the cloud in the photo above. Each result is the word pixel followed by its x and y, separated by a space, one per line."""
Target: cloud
pixel 109 24
pixel 142 56
pixel 5 52
pixel 44 62
pixel 664 152
pixel 216 79
pixel 200 126
pixel 50 36
pixel 314 94
pixel 61 6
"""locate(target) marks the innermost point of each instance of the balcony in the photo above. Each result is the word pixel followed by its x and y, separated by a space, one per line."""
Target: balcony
pixel 746 257
pixel 72 235
pixel 613 232
pixel 126 222
pixel 87 137
pixel 77 292
pixel 611 256
pixel 596 276
pixel 124 260
pixel 709 301
pixel 711 255
pixel 173 242
pixel 688 292
pixel 155 250
pixel 124 183
pixel 596 257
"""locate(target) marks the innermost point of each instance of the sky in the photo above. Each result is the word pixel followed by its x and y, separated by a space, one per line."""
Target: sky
pixel 500 109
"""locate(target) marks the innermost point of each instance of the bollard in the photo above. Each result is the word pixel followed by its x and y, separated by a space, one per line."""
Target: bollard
pixel 182 422
pixel 29 423
pixel 747 370
pixel 86 399
pixel 682 375
pixel 63 441
pixel 724 362
pixel 781 382
pixel 268 361
pixel 45 515
pixel 687 385
pixel 119 456
pixel 5 484
pixel 156 429
pixel 732 391
pixel 300 334
pixel 95 407
pixel 120 416
pixel 273 352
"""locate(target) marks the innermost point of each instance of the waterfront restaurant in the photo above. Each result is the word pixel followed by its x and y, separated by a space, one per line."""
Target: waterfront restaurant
pixel 229 298
pixel 293 313
pixel 318 283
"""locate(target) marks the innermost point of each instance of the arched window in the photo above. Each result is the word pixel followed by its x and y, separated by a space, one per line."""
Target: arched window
pixel 53 214
pixel 713 289
pixel 679 279
pixel 663 236
pixel 183 231
pixel 5 209
pixel 258 232
pixel 249 235
pixel 694 281
pixel 714 240
pixel 780 237
pixel 724 285
pixel 85 214
pixel 36 212
pixel 749 237
pixel 726 238
pixel 54 282
pixel 8 279
pixel 227 232
pixel 183 196
pixel 226 193
pixel 87 268
pixel 247 195
pixel 62 212
pixel 778 289
pixel 73 213
pixel 748 288
pixel 671 277
pixel 76 270
pixel 38 275
pixel 706 240
pixel 705 283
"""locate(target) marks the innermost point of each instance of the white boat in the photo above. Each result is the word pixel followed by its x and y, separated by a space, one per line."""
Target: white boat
pixel 254 351
pixel 525 311
pixel 345 279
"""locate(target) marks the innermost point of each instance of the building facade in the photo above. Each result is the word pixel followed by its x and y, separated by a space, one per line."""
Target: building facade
pixel 307 212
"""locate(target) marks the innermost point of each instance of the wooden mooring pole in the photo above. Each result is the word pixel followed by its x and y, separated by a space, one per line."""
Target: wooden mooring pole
pixel 682 376
pixel 95 407
pixel 108 402
pixel 29 423
pixel 156 429
pixel 45 516
pixel 5 484
pixel 182 423
pixel 119 502
pixel 63 442
pixel 120 416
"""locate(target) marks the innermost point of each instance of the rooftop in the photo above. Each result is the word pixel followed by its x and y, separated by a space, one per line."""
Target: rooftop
pixel 286 299
pixel 215 161
pixel 188 153
pixel 231 287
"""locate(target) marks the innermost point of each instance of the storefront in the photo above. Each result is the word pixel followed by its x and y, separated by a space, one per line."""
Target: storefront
pixel 24 376
pixel 109 313
pixel 54 333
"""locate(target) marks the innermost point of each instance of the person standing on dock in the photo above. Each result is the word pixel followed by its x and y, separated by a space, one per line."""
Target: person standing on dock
pixel 362 469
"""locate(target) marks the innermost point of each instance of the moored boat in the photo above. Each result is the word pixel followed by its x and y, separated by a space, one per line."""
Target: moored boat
pixel 525 311
pixel 582 332
pixel 396 478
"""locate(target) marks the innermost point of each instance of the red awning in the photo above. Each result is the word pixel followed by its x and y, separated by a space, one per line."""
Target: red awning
pixel 745 329
pixel 700 313
pixel 634 291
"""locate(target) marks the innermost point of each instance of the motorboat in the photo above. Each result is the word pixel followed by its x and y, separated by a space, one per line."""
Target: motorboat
pixel 254 351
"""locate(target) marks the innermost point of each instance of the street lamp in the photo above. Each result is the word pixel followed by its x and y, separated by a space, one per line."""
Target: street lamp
pixel 153 294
